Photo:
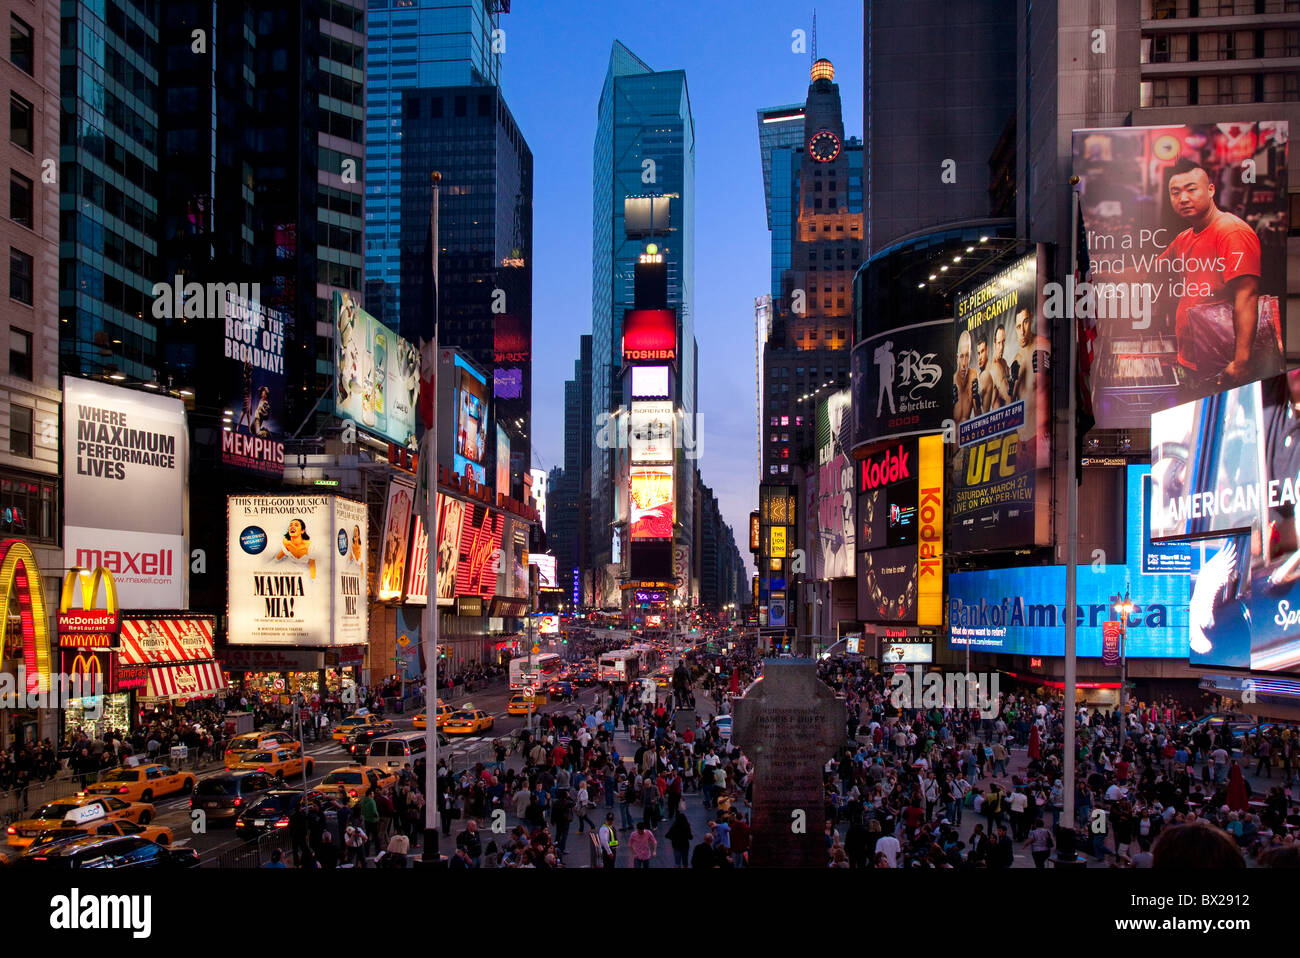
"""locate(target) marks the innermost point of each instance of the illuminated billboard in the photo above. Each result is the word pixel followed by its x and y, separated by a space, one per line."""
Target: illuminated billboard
pixel 649 382
pixel 651 501
pixel 649 335
pixel 479 555
pixel 1000 476
pixel 252 434
pixel 546 570
pixel 377 373
pixel 650 432
pixel 1230 464
pixel 834 539
pixel 296 573
pixel 396 534
pixel 903 382
pixel 1187 238
pixel 503 462
pixel 470 419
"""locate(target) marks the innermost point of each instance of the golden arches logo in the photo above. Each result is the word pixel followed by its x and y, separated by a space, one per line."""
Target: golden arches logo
pixel 20 575
pixel 89 582
pixel 87 671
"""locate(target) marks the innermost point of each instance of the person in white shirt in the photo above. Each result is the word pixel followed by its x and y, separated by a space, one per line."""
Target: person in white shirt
pixel 888 846
pixel 1115 793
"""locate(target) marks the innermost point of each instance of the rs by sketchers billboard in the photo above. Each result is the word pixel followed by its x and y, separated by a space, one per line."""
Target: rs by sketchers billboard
pixel 125 463
pixel 1022 610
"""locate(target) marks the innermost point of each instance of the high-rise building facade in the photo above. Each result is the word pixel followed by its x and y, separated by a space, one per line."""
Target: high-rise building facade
pixel 109 188
pixel 411 45
pixel 815 197
pixel 29 388
pixel 642 194
pixel 485 224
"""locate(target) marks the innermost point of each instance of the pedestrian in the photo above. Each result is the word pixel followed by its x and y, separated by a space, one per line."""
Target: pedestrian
pixel 355 839
pixel 679 835
pixel 1039 843
pixel 643 845
pixel 607 840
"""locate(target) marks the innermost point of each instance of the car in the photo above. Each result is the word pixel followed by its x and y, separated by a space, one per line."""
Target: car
pixel 584 678
pixel 468 721
pixel 561 690
pixel 1237 723
pixel 387 726
pixel 352 723
pixel 723 723
pixel 278 763
pixel 108 851
pixel 360 741
pixel 93 820
pixel 22 833
pixel 270 811
pixel 349 783
pixel 519 702
pixel 422 718
pixel 143 783
pixel 258 742
pixel 225 795
pixel 663 680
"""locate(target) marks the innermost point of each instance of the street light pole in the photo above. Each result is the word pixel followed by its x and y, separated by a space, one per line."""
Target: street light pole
pixel 1124 608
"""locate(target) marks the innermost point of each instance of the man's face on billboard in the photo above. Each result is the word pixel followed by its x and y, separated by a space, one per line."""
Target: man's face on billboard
pixel 1024 327
pixel 999 343
pixel 1191 194
pixel 982 353
pixel 963 353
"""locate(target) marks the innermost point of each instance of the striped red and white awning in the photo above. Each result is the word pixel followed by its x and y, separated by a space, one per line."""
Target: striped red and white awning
pixel 166 639
pixel 193 680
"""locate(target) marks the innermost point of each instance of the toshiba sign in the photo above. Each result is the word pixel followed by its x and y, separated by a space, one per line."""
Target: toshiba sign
pixel 889 467
pixel 649 335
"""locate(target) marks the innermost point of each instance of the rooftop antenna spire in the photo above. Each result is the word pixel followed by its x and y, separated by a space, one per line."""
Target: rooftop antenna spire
pixel 814 37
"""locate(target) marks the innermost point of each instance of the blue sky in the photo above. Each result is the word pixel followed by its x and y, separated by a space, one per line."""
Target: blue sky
pixel 737 57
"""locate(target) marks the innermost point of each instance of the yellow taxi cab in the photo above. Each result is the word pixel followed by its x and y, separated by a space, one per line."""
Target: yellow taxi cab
pixel 280 761
pixel 141 784
pixel 519 703
pixel 348 783
pixel 93 820
pixel 467 721
pixel 258 742
pixel 422 718
pixel 22 833
pixel 352 723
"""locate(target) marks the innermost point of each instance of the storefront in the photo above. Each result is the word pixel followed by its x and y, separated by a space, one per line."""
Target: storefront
pixel 177 655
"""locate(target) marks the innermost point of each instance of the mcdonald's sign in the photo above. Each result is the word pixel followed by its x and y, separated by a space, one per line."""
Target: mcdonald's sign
pixel 20 577
pixel 88 626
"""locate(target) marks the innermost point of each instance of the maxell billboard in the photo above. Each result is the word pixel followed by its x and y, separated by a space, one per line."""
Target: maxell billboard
pixel 1002 409
pixel 1187 240
pixel 125 465
pixel 296 572
pixel 903 382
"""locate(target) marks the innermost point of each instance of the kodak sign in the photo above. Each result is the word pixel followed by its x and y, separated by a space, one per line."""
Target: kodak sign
pixel 89 627
pixel 929 588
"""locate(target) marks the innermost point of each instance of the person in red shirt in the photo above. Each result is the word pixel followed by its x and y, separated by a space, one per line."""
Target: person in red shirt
pixel 1221 256
pixel 558 755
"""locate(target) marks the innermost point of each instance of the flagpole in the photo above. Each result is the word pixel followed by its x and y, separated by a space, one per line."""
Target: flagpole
pixel 1071 681
pixel 429 627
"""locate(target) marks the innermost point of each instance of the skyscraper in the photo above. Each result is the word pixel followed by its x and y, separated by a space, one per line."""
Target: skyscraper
pixel 485 266
pixel 428 43
pixel 643 192
pixel 108 186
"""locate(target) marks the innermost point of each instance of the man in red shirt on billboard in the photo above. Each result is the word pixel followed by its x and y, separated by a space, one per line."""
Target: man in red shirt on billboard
pixel 1221 255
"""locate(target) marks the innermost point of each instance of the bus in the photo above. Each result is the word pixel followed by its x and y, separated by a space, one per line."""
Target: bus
pixel 648 656
pixel 538 670
pixel 620 665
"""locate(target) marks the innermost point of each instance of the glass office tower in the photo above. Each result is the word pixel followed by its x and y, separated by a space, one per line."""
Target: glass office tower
pixel 108 189
pixel 644 149
pixel 412 44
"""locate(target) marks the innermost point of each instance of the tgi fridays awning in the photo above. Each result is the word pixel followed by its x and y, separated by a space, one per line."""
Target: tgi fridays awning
pixel 191 681
pixel 164 639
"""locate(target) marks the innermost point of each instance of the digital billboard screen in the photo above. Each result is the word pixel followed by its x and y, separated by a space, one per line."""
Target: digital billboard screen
pixel 377 373
pixel 1230 464
pixel 471 422
pixel 835 539
pixel 1002 410
pixel 650 432
pixel 396 536
pixel 252 435
pixel 1022 610
pixel 1187 239
pixel 651 499
pixel 649 335
pixel 649 382
pixel 904 383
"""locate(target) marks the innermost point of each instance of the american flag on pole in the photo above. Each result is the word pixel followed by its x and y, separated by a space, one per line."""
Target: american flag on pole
pixel 1086 330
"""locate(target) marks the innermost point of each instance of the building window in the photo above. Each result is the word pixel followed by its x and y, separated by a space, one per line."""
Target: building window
pixel 20 199
pixel 27 508
pixel 20 353
pixel 21 130
pixel 20 430
pixel 20 45
pixel 20 276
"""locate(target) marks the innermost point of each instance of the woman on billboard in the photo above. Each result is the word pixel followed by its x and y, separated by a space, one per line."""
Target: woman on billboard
pixel 296 546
